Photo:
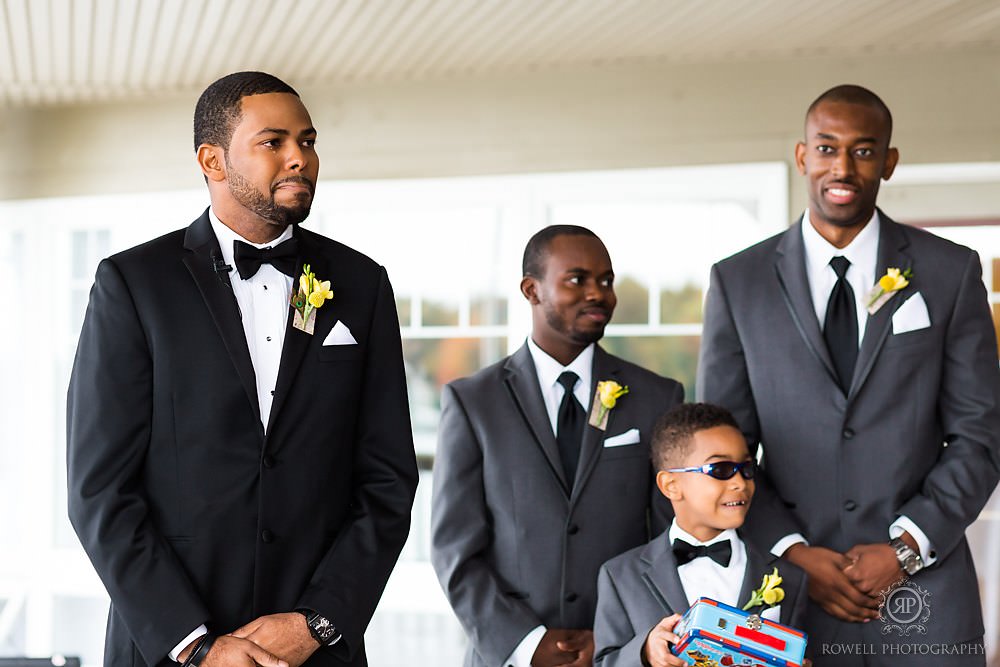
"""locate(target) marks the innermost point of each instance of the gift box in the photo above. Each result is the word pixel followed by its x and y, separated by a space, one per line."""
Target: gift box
pixel 713 634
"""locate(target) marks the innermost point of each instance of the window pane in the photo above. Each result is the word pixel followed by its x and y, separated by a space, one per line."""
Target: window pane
pixel 672 356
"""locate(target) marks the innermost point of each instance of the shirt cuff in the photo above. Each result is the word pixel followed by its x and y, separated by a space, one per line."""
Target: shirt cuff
pixel 904 524
pixel 782 545
pixel 197 632
pixel 521 657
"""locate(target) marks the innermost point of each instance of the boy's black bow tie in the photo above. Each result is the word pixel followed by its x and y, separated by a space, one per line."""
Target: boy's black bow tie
pixel 720 552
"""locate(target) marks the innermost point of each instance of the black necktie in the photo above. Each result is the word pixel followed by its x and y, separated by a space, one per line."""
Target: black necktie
pixel 840 329
pixel 569 427
pixel 720 552
pixel 249 258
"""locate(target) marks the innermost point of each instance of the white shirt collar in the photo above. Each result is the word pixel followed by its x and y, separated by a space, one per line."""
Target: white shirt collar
pixel 549 370
pixel 676 532
pixel 862 251
pixel 226 237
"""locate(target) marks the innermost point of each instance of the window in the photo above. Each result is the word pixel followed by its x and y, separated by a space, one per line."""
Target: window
pixel 452 248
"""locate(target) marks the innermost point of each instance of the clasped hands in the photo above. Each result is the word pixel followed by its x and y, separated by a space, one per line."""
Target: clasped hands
pixel 847 585
pixel 276 640
pixel 564 648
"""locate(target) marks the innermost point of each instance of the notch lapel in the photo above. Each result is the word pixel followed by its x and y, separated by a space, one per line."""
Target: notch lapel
pixel 296 343
pixel 892 243
pixel 758 565
pixel 661 577
pixel 605 367
pixel 218 294
pixel 791 270
pixel 522 381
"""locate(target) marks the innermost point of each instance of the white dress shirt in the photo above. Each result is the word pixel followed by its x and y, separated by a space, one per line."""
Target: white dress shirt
pixel 548 371
pixel 264 302
pixel 862 252
pixel 703 577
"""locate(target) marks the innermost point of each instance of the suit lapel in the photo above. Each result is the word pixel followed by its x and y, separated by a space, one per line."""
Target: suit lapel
pixel 296 343
pixel 215 289
pixel 891 253
pixel 661 578
pixel 791 269
pixel 605 367
pixel 758 565
pixel 522 380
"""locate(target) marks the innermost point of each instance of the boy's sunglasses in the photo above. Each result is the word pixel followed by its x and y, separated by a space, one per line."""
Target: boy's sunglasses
pixel 723 469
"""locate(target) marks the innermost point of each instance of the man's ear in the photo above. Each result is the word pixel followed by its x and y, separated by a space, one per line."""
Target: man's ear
pixel 800 158
pixel 212 161
pixel 891 160
pixel 529 288
pixel 666 482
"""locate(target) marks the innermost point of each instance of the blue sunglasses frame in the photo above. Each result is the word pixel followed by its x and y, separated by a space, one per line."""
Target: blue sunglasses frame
pixel 723 470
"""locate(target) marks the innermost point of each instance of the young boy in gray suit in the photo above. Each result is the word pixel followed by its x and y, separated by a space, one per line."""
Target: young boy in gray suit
pixel 707 473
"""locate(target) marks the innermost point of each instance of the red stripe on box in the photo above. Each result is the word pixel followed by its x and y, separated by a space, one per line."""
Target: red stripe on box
pixel 783 628
pixel 760 638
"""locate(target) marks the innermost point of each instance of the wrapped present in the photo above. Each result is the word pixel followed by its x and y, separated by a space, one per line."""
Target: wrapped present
pixel 713 634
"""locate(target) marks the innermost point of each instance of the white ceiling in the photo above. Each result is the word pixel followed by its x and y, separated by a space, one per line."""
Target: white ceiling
pixel 73 51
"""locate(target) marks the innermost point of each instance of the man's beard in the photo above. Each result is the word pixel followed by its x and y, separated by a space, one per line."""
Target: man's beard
pixel 255 201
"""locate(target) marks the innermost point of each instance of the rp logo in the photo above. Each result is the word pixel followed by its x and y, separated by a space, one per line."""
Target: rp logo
pixel 904 608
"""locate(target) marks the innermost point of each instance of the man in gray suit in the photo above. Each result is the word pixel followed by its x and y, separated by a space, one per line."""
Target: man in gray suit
pixel 530 497
pixel 876 407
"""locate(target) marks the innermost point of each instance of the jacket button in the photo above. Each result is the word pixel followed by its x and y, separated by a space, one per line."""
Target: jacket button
pixel 268 462
pixel 266 536
pixel 573 529
pixel 848 433
pixel 571 597
pixel 850 505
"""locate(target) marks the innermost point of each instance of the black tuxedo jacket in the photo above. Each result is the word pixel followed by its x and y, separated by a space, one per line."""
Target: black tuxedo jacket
pixel 190 512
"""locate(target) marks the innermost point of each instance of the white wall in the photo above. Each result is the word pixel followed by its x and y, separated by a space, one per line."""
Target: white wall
pixel 637 115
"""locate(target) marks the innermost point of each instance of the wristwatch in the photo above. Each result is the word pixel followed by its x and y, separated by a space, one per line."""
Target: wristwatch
pixel 909 560
pixel 320 627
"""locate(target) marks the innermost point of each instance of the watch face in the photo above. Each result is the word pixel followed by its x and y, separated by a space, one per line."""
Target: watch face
pixel 324 629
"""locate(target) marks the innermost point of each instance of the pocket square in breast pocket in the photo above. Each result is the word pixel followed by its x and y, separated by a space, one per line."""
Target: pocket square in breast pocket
pixel 911 316
pixel 339 335
pixel 629 437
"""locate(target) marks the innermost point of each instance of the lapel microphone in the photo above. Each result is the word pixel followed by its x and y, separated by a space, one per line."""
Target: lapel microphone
pixel 221 269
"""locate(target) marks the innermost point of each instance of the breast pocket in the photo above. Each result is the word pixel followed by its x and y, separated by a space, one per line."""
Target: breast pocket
pixel 340 353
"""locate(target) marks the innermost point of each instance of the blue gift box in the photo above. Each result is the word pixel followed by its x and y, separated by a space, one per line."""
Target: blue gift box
pixel 713 634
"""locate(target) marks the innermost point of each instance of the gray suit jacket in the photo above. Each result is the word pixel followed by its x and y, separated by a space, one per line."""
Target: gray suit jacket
pixel 641 587
pixel 917 434
pixel 513 546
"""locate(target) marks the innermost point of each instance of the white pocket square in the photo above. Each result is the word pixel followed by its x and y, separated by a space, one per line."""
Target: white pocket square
pixel 911 316
pixel 772 613
pixel 629 437
pixel 339 335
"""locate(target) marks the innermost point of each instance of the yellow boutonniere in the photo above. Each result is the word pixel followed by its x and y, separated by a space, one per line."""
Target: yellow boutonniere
pixel 608 393
pixel 893 281
pixel 770 592
pixel 311 294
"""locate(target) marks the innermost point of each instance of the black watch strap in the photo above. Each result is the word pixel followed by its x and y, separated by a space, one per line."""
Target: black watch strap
pixel 321 629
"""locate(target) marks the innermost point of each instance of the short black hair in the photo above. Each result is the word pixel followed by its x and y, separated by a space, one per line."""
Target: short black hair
pixel 849 93
pixel 219 108
pixel 674 431
pixel 533 261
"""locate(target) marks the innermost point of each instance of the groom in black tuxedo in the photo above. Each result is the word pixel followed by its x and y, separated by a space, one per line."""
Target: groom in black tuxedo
pixel 241 476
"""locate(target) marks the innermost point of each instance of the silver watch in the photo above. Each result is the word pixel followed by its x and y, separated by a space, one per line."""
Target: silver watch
pixel 909 560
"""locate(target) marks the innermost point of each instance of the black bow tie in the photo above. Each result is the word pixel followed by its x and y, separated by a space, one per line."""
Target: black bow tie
pixel 282 257
pixel 720 552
